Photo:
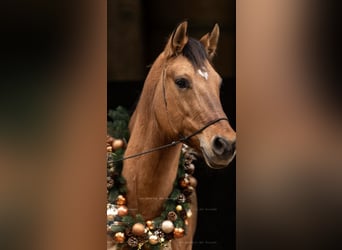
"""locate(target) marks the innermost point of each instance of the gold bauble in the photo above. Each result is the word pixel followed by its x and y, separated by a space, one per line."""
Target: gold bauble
pixel 149 224
pixel 167 226
pixel 119 237
pixel 179 208
pixel 109 149
pixel 138 229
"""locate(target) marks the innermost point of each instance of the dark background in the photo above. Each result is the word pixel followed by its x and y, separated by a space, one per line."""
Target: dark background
pixel 137 32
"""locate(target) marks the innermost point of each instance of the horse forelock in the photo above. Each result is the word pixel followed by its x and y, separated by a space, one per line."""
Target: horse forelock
pixel 195 52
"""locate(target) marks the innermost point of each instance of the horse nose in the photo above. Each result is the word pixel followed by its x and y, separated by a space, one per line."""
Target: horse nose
pixel 222 147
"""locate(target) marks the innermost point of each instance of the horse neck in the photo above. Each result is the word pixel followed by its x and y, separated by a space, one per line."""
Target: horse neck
pixel 149 177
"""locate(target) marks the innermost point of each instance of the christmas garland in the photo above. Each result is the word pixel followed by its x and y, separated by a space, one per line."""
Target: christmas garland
pixel 134 231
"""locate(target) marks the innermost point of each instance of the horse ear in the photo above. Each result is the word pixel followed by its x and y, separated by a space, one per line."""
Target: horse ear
pixel 177 40
pixel 210 41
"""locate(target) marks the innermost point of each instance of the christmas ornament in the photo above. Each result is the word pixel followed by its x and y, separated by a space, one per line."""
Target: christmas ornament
pixel 117 144
pixel 178 232
pixel 184 182
pixel 188 191
pixel 181 198
pixel 138 229
pixel 193 181
pixel 111 170
pixel 110 217
pixel 149 224
pixel 122 211
pixel 153 239
pixel 159 233
pixel 121 200
pixel 132 241
pixel 167 226
pixel 119 237
pixel 111 210
pixel 133 231
pixel 179 208
pixel 189 169
pixel 172 216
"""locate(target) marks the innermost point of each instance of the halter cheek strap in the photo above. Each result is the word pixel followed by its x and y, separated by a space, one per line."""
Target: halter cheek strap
pixel 164 97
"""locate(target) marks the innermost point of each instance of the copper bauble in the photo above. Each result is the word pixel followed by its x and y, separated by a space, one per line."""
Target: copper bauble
pixel 121 200
pixel 138 229
pixel 117 144
pixel 178 232
pixel 122 211
pixel 119 237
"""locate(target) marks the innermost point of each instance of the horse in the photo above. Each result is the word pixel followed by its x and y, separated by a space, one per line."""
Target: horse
pixel 180 98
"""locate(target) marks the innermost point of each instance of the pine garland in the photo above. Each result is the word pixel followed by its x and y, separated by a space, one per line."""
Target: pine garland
pixel 135 231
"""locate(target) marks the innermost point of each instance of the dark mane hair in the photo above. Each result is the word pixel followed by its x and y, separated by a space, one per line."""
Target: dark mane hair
pixel 195 52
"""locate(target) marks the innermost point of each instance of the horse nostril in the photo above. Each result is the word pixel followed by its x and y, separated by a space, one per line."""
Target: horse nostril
pixel 223 147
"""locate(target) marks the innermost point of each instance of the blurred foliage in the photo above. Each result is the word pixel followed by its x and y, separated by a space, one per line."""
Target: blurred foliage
pixel 117 123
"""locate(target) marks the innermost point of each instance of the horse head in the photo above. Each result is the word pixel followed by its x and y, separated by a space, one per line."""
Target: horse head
pixel 187 96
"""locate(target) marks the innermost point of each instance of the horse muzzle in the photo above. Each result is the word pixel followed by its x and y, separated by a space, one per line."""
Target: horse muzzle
pixel 218 152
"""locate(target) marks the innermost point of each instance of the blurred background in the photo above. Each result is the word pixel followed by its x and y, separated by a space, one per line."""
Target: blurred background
pixel 137 34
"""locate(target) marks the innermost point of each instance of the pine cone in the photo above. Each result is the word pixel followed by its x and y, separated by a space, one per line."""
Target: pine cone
pixel 189 168
pixel 132 241
pixel 172 216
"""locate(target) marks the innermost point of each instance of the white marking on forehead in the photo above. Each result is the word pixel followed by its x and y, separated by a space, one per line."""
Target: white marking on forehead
pixel 203 73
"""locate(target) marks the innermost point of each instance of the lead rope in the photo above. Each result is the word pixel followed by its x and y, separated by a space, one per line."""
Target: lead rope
pixel 173 143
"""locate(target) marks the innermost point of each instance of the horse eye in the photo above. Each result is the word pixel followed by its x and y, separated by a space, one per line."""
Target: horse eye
pixel 182 83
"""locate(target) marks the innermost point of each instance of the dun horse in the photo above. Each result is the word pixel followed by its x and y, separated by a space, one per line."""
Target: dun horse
pixel 180 98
